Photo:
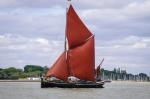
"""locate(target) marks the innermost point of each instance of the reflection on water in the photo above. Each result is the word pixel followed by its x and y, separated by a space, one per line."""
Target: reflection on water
pixel 114 90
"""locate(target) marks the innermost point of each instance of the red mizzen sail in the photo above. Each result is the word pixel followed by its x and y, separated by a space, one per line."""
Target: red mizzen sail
pixel 77 33
pixel 59 69
pixel 82 61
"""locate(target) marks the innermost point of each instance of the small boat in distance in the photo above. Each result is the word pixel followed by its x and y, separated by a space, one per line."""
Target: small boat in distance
pixel 75 67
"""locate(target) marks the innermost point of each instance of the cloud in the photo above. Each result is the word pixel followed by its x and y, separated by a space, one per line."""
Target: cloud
pixel 130 42
pixel 43 41
pixel 32 24
pixel 17 50
pixel 108 23
pixel 5 3
pixel 79 3
pixel 140 45
pixel 29 4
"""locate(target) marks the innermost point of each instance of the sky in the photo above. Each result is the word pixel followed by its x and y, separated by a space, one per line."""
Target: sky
pixel 32 32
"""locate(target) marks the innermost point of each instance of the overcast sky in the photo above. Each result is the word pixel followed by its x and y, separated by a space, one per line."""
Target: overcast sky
pixel 32 32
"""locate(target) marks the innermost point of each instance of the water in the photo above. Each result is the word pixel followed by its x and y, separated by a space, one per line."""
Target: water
pixel 114 90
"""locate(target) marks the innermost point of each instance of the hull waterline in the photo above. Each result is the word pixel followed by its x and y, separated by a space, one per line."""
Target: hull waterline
pixel 45 84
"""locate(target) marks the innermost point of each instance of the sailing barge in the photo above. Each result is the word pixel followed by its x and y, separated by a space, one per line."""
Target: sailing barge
pixel 75 68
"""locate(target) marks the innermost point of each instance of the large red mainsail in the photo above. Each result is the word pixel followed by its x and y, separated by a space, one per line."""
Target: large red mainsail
pixel 77 33
pixel 80 60
pixel 59 68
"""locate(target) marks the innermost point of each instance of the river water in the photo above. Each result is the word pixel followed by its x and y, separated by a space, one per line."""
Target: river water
pixel 114 90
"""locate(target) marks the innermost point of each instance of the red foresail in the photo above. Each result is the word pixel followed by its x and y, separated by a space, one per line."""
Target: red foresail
pixel 59 69
pixel 82 61
pixel 77 33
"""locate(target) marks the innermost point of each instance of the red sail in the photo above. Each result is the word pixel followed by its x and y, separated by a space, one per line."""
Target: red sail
pixel 59 69
pixel 82 61
pixel 76 32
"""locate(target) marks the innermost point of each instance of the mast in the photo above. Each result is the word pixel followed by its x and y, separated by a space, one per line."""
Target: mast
pixel 68 5
pixel 66 40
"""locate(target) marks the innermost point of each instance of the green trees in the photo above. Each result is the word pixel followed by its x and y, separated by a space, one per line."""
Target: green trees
pixel 33 68
pixel 10 73
pixel 29 71
pixel 34 71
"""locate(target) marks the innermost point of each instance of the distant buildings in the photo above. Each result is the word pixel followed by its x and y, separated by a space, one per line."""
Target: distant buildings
pixel 121 75
pixel 34 78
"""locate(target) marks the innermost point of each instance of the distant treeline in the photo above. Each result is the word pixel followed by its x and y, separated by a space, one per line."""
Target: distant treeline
pixel 37 71
pixel 28 71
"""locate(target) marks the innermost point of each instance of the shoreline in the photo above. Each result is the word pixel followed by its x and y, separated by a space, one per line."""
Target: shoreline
pixel 40 81
pixel 20 81
pixel 130 81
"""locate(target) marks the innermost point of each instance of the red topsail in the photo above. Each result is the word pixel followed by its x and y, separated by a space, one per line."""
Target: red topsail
pixel 77 33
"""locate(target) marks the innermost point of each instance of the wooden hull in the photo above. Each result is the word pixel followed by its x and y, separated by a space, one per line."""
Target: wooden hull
pixel 71 85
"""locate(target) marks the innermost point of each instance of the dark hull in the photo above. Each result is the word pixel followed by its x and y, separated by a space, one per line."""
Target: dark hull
pixel 71 85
